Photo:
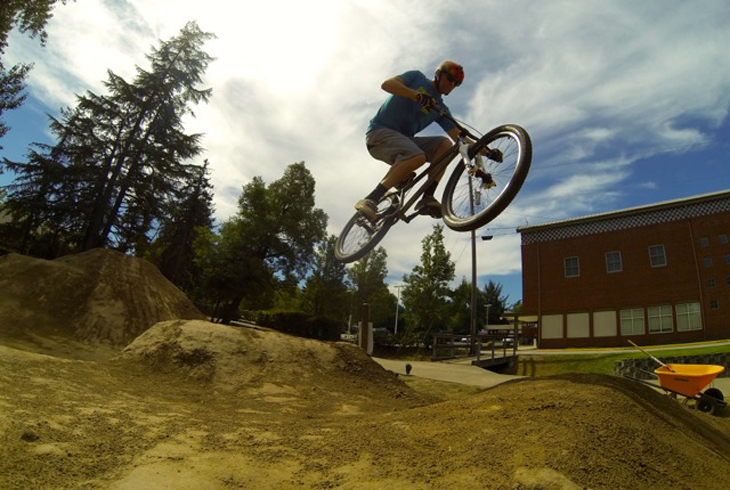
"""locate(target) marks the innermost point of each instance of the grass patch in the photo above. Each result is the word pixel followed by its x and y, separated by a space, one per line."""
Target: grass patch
pixel 547 365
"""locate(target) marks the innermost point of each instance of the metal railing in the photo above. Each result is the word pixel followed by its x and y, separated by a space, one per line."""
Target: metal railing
pixel 450 346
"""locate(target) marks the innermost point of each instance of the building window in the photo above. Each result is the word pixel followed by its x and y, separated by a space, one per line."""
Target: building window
pixel 727 280
pixel 688 317
pixel 613 262
pixel 704 242
pixel 723 239
pixel 657 257
pixel 572 267
pixel 707 262
pixel 714 304
pixel 726 259
pixel 632 321
pixel 660 319
pixel 711 282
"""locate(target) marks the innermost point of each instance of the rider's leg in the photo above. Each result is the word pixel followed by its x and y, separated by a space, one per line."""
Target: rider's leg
pixel 443 147
pixel 402 169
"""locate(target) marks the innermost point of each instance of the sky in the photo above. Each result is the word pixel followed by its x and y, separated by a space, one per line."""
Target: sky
pixel 626 102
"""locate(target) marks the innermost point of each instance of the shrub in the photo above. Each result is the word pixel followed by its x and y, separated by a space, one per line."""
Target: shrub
pixel 300 324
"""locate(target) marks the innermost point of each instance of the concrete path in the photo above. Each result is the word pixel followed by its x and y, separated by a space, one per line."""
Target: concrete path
pixel 450 371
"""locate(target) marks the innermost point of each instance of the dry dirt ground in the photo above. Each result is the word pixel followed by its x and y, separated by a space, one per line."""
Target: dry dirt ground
pixel 193 405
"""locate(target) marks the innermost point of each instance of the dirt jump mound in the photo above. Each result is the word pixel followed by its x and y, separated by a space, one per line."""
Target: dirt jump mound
pixel 235 358
pixel 100 295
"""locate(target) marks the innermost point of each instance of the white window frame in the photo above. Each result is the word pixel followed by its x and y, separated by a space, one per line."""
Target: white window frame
pixel 632 321
pixel 689 316
pixel 660 316
pixel 576 267
pixel 609 262
pixel 653 256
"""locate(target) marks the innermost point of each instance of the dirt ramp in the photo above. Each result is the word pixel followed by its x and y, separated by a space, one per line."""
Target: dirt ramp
pixel 235 358
pixel 568 432
pixel 100 295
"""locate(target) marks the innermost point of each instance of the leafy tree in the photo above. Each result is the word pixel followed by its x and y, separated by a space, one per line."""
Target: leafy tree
pixel 269 243
pixel 28 16
pixel 173 251
pixel 325 292
pixel 117 168
pixel 367 277
pixel 11 88
pixel 426 290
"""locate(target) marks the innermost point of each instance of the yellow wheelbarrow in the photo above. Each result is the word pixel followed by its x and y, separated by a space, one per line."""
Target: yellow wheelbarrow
pixel 689 381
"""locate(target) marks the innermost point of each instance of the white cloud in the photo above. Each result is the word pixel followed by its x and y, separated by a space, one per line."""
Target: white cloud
pixel 597 86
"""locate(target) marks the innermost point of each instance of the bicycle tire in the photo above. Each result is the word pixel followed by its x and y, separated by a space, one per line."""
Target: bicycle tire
pixel 466 204
pixel 360 235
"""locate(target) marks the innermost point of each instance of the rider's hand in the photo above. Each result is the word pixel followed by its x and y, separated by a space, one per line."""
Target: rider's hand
pixel 493 154
pixel 426 101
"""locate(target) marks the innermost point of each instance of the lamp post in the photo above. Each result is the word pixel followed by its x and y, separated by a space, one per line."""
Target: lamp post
pixel 397 307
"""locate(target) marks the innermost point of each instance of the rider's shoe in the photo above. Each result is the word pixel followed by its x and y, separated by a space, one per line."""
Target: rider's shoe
pixel 367 208
pixel 430 206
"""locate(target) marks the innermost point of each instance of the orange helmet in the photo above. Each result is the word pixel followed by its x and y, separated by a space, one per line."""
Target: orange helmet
pixel 453 71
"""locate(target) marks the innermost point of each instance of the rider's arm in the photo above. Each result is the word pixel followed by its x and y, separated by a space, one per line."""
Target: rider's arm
pixel 453 134
pixel 396 86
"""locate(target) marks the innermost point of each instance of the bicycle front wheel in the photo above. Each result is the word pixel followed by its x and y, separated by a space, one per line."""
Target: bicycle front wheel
pixel 475 196
pixel 361 235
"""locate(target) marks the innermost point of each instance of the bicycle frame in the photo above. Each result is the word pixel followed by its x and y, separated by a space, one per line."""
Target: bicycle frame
pixel 460 147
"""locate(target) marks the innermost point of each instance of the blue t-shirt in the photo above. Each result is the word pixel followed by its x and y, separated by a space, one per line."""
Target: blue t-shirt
pixel 406 116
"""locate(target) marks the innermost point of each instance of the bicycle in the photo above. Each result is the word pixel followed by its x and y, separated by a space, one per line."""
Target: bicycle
pixel 477 191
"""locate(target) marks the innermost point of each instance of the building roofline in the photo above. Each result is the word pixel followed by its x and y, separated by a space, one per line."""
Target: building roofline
pixel 625 212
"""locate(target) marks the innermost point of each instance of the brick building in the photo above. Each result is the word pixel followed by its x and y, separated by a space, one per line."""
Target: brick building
pixel 653 274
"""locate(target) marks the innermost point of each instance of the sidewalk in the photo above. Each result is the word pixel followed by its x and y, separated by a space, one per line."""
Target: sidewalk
pixel 450 371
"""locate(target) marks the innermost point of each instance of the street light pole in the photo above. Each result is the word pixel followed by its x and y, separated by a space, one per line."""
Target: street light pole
pixel 397 307
pixel 488 306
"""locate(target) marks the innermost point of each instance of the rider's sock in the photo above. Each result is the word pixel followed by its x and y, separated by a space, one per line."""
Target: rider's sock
pixel 377 193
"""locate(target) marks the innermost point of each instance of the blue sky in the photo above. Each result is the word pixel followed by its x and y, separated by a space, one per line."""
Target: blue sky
pixel 626 101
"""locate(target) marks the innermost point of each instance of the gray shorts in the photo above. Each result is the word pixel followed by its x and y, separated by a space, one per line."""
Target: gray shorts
pixel 391 146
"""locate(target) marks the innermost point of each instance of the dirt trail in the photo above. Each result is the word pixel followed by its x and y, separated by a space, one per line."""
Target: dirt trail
pixel 195 405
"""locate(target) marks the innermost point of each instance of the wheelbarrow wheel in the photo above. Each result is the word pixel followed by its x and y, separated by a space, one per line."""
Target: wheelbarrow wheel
pixel 706 404
pixel 715 393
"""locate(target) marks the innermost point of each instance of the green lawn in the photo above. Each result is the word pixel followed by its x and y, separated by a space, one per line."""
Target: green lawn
pixel 546 365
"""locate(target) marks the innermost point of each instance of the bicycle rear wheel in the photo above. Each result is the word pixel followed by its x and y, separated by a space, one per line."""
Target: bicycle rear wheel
pixel 473 199
pixel 360 235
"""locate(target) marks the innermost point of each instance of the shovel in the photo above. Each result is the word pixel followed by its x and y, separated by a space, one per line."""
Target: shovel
pixel 657 360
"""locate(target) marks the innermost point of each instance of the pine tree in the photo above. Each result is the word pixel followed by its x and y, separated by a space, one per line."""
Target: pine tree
pixel 121 156
pixel 172 251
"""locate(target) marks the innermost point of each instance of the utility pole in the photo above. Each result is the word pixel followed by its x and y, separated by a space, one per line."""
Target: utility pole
pixel 397 307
